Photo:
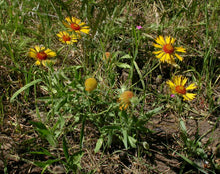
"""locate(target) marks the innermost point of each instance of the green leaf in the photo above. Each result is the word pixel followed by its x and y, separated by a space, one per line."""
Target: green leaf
pixel 123 65
pixel 42 129
pixel 111 127
pixel 154 111
pixel 125 138
pixel 192 163
pixel 76 158
pixel 183 127
pixel 65 149
pixel 98 145
pixel 24 88
pixel 126 56
pixel 39 125
pixel 132 141
pixel 45 163
pixel 139 73
pixel 43 152
pixel 60 104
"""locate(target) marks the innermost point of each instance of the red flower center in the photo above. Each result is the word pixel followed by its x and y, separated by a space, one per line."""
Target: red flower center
pixel 42 55
pixel 75 26
pixel 181 89
pixel 66 38
pixel 168 48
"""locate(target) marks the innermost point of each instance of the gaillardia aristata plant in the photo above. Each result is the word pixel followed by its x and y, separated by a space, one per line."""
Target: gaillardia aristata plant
pixel 124 99
pixel 76 25
pixel 177 86
pixel 42 55
pixel 66 38
pixel 167 50
pixel 90 84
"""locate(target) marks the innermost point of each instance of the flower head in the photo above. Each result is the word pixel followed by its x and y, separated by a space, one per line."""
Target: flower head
pixel 168 51
pixel 124 99
pixel 90 84
pixel 107 56
pixel 177 86
pixel 67 38
pixel 172 95
pixel 42 55
pixel 139 27
pixel 76 25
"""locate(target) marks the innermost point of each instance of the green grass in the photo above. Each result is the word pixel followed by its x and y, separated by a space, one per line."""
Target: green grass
pixel 58 123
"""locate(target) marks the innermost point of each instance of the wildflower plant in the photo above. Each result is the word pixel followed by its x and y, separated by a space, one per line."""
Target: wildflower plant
pixel 177 86
pixel 67 38
pixel 42 55
pixel 68 107
pixel 76 25
pixel 167 51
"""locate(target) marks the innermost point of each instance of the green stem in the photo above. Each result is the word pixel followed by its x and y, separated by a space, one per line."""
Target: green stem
pixel 83 125
pixel 66 56
pixel 146 74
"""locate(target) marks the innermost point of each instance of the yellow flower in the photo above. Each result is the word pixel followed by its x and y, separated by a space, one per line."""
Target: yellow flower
pixel 168 51
pixel 124 99
pixel 177 86
pixel 67 38
pixel 76 25
pixel 41 55
pixel 90 84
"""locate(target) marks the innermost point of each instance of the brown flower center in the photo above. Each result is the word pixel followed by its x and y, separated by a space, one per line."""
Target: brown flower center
pixel 42 55
pixel 181 89
pixel 168 48
pixel 75 26
pixel 66 38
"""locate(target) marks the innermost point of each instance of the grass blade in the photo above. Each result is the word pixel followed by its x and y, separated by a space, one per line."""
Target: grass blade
pixel 24 88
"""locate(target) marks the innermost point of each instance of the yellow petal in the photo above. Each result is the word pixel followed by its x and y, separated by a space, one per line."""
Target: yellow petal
pixel 160 55
pixel 66 24
pixel 163 58
pixel 184 80
pixel 82 23
pixel 171 84
pixel 85 30
pixel 37 62
pixel 32 54
pixel 157 52
pixel 172 41
pixel 61 40
pixel 177 80
pixel 50 53
pixel 168 40
pixel 68 42
pixel 77 21
pixel 37 48
pixel 68 19
pixel 60 35
pixel 180 49
pixel 179 57
pixel 162 40
pixel 168 58
pixel 157 46
pixel 189 96
pixel 42 48
pixel 191 86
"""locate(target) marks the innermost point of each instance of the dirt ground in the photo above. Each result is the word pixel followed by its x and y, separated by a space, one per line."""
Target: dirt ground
pixel 17 134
